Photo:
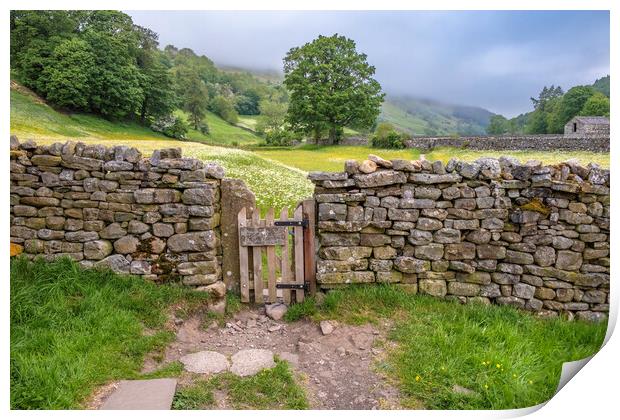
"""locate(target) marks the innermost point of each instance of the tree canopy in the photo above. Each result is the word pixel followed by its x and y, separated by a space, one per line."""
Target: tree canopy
pixel 331 86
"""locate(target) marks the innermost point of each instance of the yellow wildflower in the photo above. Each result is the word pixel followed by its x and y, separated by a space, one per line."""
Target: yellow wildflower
pixel 417 378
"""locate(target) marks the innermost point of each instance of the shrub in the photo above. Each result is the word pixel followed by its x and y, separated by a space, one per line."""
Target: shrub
pixel 171 126
pixel 281 137
pixel 391 140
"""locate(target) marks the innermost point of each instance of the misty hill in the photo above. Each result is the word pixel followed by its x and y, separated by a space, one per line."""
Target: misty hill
pixel 430 118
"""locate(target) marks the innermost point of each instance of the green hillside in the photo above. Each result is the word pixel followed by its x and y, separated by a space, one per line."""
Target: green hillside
pixel 32 117
pixel 431 118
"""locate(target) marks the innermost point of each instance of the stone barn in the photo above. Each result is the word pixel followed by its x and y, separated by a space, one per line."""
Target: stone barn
pixel 587 126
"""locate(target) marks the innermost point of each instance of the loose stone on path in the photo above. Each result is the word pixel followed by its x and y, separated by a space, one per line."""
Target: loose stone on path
pixel 250 362
pixel 205 362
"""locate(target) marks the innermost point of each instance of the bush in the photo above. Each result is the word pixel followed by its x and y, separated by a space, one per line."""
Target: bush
pixel 281 137
pixel 391 140
pixel 171 126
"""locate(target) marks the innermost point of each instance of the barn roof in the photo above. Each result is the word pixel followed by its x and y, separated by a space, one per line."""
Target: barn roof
pixel 592 120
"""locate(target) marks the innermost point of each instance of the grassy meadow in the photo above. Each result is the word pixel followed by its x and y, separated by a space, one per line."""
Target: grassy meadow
pixel 276 175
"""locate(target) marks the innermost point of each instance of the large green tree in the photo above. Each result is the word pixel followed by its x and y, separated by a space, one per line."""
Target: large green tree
pixel 597 105
pixel 331 86
pixel 67 78
pixel 196 99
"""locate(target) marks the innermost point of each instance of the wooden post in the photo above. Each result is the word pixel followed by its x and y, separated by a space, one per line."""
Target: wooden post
pixel 309 213
pixel 299 254
pixel 257 262
pixel 243 261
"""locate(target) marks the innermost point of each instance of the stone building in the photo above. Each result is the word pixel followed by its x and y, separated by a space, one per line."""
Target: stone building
pixel 588 126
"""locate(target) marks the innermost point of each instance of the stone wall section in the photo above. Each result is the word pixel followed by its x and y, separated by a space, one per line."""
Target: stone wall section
pixel 157 217
pixel 596 142
pixel 494 230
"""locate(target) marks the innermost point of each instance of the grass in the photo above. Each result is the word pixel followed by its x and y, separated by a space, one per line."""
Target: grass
pixel 330 158
pixel 32 118
pixel 73 330
pixel 509 358
pixel 270 389
pixel 222 133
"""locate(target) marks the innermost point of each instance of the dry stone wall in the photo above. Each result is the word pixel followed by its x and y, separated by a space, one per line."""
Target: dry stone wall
pixel 494 230
pixel 157 217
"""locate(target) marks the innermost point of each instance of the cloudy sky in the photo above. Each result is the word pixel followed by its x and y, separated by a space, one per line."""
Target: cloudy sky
pixel 495 60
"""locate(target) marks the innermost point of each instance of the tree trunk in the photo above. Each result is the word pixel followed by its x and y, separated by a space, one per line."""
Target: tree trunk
pixel 333 135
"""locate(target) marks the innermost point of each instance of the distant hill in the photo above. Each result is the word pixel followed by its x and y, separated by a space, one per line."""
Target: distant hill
pixel 602 85
pixel 431 118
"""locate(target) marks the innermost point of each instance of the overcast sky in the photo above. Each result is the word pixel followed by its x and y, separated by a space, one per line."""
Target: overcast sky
pixel 495 60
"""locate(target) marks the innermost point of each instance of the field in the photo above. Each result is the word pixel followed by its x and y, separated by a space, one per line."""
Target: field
pixel 332 158
pixel 276 175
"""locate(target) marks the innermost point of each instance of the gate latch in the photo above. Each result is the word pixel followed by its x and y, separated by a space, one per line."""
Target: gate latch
pixel 296 223
pixel 296 286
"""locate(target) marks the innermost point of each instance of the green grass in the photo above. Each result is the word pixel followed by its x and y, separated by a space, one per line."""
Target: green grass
pixel 32 118
pixel 75 329
pixel 509 358
pixel 270 389
pixel 222 133
pixel 330 158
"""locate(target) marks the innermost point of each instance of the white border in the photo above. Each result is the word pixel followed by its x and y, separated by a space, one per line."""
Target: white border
pixel 591 394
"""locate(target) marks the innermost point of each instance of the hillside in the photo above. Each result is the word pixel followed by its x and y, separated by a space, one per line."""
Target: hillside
pixel 426 117
pixel 32 117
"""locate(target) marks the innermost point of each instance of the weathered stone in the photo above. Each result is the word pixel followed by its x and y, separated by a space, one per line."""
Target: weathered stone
pixel 380 178
pixel 126 245
pixel 420 178
pixel 350 277
pixel 192 242
pixel 463 289
pixel 116 263
pixel 447 236
pixel 424 223
pixel 433 287
pixel 460 251
pixel 112 231
pixel 429 252
pixel 411 265
pixel 569 260
pixel 544 256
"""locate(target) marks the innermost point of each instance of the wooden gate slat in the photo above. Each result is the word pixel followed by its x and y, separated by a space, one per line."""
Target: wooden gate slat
pixel 243 261
pixel 258 262
pixel 299 254
pixel 309 209
pixel 271 259
pixel 285 267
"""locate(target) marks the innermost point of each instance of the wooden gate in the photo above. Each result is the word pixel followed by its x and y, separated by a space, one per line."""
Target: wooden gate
pixel 286 245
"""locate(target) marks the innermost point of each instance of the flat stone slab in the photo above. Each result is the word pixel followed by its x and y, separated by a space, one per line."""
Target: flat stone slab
pixel 250 362
pixel 205 362
pixel 149 394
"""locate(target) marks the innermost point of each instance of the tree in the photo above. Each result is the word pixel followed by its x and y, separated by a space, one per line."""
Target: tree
pixel 67 78
pixel 247 104
pixel 272 115
pixel 159 98
pixel 498 124
pixel 223 107
pixel 331 86
pixel 572 103
pixel 596 105
pixel 196 100
pixel 546 95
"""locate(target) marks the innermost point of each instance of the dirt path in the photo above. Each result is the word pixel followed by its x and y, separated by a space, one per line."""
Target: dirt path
pixel 337 370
